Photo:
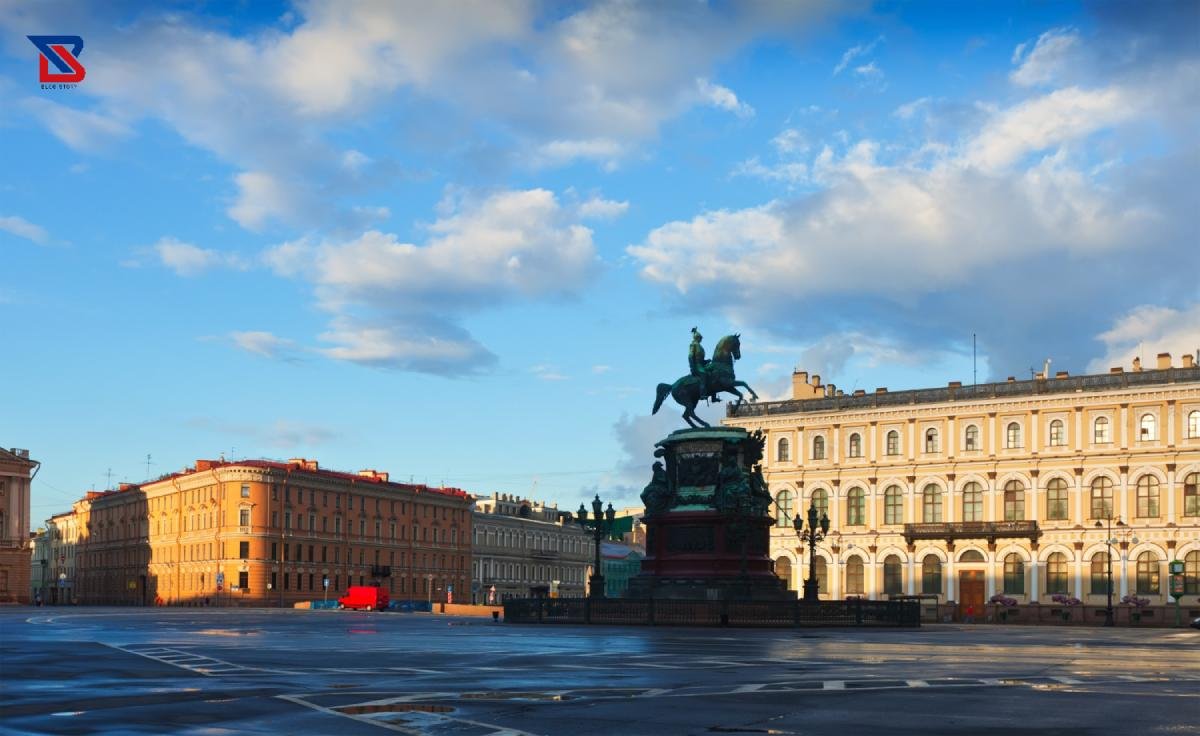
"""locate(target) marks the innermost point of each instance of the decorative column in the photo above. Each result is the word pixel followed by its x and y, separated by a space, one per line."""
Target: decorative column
pixel 1034 593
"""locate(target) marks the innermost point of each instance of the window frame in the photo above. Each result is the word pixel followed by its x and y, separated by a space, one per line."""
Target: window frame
pixel 893 505
pixel 856 507
pixel 854 445
pixel 1101 431
pixel 931 441
pixel 971 438
pixel 1012 436
pixel 973 507
pixel 1104 484
pixel 783 450
pixel 1014 574
pixel 1014 494
pixel 892 443
pixel 1148 580
pixel 931 504
pixel 1054 487
pixel 1056 434
pixel 818 447
pixel 1148 504
pixel 1057 576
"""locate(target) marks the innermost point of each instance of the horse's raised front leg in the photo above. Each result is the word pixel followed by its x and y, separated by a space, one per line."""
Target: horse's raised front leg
pixel 746 386
pixel 736 393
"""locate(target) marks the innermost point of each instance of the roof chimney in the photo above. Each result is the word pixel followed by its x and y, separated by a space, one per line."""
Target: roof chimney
pixel 1164 361
pixel 1137 365
pixel 1189 361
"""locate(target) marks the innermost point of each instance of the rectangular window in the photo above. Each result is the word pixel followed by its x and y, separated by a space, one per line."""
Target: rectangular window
pixel 244 517
pixel 244 549
pixel 324 554
pixel 274 550
pixel 245 491
pixel 244 580
pixel 287 580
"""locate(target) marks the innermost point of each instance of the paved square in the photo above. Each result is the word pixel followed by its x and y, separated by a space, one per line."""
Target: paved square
pixel 212 671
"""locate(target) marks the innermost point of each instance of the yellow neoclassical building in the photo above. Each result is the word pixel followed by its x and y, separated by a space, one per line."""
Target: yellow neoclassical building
pixel 258 532
pixel 966 492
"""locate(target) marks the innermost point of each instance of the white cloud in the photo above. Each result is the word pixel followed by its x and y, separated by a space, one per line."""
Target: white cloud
pixel 548 373
pixel 396 304
pixel 186 259
pixel 909 110
pixel 23 228
pixel 264 344
pixel 1047 58
pixel 723 98
pixel 87 131
pixel 855 52
pixel 261 197
pixel 601 369
pixel 790 172
pixel 1146 331
pixel 282 434
pixel 605 151
pixel 790 141
pixel 602 209
pixel 869 71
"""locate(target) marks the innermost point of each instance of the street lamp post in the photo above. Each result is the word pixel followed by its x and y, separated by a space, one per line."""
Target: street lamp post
pixel 600 526
pixel 429 590
pixel 816 531
pixel 1108 543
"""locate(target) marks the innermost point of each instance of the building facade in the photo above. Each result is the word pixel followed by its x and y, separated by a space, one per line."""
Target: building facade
pixel 16 478
pixel 525 548
pixel 257 532
pixel 53 570
pixel 966 492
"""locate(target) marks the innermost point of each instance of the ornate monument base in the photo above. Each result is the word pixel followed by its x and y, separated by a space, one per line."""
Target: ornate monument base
pixel 708 522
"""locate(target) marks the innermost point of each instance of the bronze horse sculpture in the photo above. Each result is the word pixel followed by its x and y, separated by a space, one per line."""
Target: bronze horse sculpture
pixel 715 377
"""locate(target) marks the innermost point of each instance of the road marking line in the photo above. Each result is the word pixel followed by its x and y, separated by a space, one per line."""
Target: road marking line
pixel 1067 680
pixel 835 685
pixel 917 683
pixel 749 688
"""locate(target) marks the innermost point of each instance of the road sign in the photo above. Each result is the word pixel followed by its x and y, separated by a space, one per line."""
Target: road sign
pixel 324 582
pixel 220 580
pixel 1175 567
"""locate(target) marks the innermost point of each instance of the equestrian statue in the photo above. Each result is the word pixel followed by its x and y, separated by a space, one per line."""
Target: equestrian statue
pixel 706 379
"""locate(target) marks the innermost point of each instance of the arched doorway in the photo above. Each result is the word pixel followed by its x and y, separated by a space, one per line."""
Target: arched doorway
pixel 783 569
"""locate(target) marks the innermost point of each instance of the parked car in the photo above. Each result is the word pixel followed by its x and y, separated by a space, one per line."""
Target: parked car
pixel 1196 623
pixel 365 598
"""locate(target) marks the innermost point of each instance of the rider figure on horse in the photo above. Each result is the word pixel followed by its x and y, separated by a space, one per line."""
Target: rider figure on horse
pixel 699 365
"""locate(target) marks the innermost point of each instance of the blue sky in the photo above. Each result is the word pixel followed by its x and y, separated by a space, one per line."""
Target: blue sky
pixel 463 244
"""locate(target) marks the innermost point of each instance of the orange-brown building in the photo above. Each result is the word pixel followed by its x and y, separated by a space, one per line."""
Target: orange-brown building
pixel 16 475
pixel 257 532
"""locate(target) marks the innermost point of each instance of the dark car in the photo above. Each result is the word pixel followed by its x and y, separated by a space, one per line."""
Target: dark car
pixel 1196 623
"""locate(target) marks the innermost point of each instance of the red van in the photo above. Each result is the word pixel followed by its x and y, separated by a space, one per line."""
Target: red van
pixel 364 597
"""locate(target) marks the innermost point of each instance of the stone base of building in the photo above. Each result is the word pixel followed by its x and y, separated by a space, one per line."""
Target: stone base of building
pixel 757 588
pixel 15 575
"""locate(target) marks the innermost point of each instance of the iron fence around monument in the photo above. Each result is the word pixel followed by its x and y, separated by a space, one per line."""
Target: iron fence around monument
pixel 764 614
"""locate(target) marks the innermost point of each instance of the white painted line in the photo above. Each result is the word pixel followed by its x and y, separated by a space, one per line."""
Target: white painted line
pixel 917 683
pixel 835 684
pixel 749 688
pixel 1067 680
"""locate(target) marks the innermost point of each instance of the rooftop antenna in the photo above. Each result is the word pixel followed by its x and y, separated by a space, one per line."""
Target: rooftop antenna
pixel 974 371
pixel 108 482
pixel 148 464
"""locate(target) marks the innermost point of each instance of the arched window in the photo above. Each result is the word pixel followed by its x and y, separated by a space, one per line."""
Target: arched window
pixel 820 499
pixel 1147 496
pixel 783 508
pixel 931 440
pixel 1099 574
pixel 972 502
pixel 1148 428
pixel 1056 500
pixel 1193 424
pixel 893 506
pixel 971 438
pixel 856 507
pixel 782 454
pixel 931 575
pixel 855 576
pixel 1014 574
pixel 1056 573
pixel 783 570
pixel 1191 573
pixel 1014 501
pixel 819 570
pixel 893 575
pixel 1012 436
pixel 1191 495
pixel 1100 433
pixel 931 505
pixel 1057 437
pixel 1147 573
pixel 856 445
pixel 972 555
pixel 818 448
pixel 893 441
pixel 1102 498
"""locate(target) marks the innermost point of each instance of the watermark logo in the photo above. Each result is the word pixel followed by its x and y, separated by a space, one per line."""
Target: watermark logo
pixel 53 50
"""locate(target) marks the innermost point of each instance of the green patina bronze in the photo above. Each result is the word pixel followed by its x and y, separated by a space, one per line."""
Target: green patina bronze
pixel 706 378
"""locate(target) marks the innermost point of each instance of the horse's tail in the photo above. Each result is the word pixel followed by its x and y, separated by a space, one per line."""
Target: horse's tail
pixel 663 390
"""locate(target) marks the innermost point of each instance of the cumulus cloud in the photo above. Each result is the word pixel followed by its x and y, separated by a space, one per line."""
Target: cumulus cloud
pixel 602 209
pixel 186 259
pixel 1147 330
pixel 723 98
pixel 396 304
pixel 928 240
pixel 87 131
pixel 23 228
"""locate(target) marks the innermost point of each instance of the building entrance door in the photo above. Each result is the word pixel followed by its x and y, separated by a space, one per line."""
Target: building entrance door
pixel 971 589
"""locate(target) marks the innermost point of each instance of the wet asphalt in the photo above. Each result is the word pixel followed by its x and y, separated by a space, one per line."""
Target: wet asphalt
pixel 239 671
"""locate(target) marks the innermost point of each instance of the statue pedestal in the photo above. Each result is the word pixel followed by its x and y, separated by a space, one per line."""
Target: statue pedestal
pixel 708 522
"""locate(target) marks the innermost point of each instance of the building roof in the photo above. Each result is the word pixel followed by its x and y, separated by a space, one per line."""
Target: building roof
pixel 1062 384
pixel 16 455
pixel 302 467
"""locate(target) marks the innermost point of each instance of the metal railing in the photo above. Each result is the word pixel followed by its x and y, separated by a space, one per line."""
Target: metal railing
pixel 765 614
pixel 989 530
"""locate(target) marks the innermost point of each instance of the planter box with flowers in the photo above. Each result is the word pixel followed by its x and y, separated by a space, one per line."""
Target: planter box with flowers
pixel 1067 602
pixel 1003 603
pixel 1135 613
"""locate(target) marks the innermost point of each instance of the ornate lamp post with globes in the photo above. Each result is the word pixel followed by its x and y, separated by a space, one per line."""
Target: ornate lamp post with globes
pixel 601 526
pixel 816 531
pixel 1109 541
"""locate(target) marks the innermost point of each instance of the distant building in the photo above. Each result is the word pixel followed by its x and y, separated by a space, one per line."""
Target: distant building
pixel 53 571
pixel 524 548
pixel 618 563
pixel 16 476
pixel 964 492
pixel 258 532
